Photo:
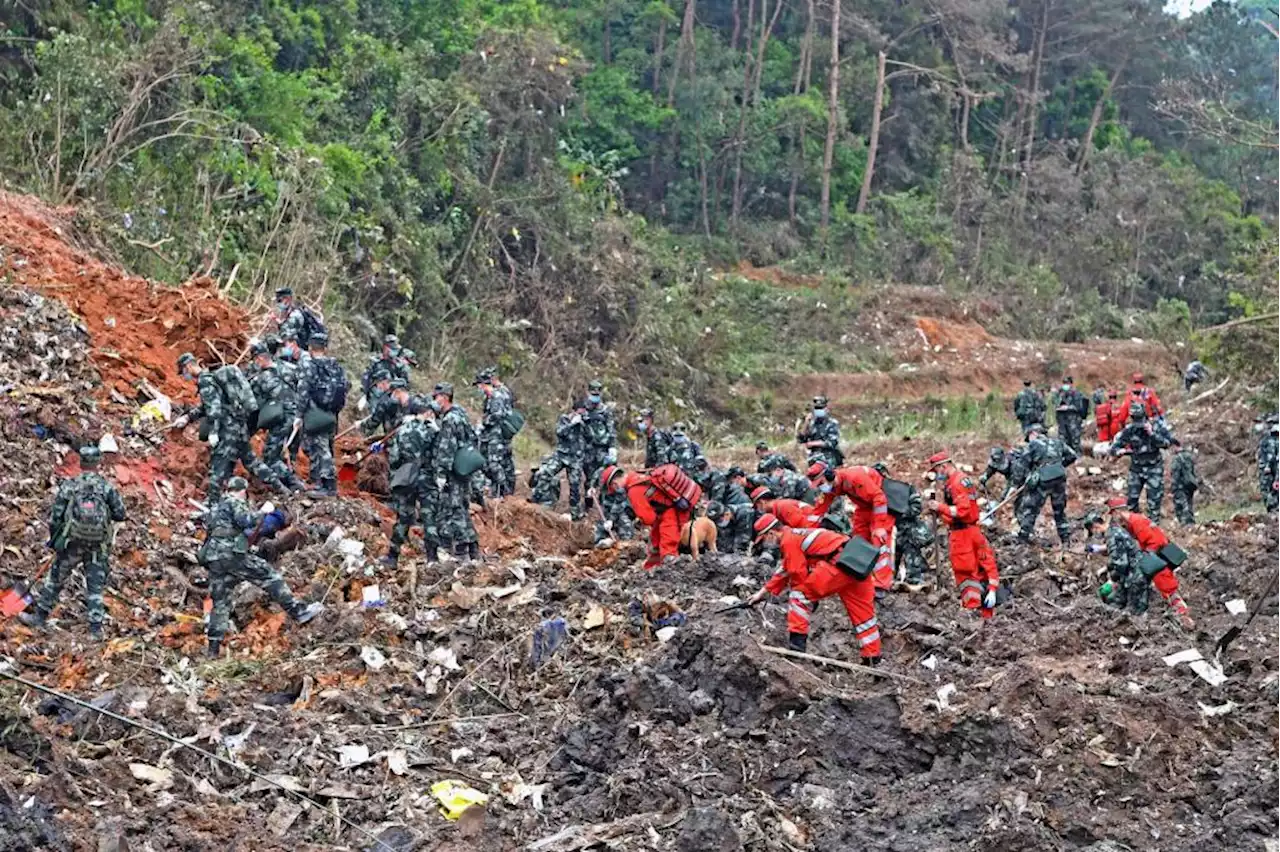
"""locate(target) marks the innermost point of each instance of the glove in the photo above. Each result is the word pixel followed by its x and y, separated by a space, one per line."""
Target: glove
pixel 1095 548
pixel 441 482
pixel 608 526
pixel 266 508
pixel 213 439
pixel 363 403
pixel 377 447
pixel 682 504
pixel 757 597
pixel 576 419
pixel 989 602
pixel 181 422
pixel 880 537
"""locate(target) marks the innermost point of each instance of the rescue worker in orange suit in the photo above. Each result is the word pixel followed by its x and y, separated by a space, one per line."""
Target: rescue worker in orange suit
pixel 1138 394
pixel 808 567
pixel 1105 414
pixel 972 560
pixel 792 513
pixel 1150 539
pixel 664 513
pixel 871 519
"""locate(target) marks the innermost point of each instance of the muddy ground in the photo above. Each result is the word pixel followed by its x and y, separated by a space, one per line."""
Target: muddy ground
pixel 1056 727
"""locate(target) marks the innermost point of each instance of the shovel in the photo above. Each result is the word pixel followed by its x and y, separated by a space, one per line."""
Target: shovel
pixel 1235 631
pixel 747 604
pixel 15 600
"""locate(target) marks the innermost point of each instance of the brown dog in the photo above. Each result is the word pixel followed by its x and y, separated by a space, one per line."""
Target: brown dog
pixel 699 536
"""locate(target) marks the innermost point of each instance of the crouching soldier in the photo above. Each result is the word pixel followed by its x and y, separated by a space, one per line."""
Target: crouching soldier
pixel 226 555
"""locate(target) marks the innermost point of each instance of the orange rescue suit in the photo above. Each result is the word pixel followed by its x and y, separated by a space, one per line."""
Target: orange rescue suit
pixel 1151 538
pixel 656 509
pixel 864 486
pixel 972 560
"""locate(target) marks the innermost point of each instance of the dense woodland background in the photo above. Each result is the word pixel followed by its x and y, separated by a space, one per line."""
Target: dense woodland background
pixel 548 183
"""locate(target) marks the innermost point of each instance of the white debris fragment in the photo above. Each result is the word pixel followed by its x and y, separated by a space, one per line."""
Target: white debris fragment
pixel 930 662
pixel 1236 607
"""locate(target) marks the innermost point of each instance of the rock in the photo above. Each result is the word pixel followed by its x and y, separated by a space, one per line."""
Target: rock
pixel 707 830
pixel 701 703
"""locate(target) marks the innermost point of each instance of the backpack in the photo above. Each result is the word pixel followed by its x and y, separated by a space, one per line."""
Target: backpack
pixel 675 483
pixel 311 324
pixel 88 516
pixel 236 391
pixel 329 385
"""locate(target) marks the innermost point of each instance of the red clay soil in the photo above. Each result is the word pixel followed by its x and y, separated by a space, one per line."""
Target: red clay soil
pixel 138 327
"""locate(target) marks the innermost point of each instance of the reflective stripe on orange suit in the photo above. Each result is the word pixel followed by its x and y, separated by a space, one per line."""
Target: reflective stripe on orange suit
pixel 795 513
pixel 813 577
pixel 653 508
pixel 972 561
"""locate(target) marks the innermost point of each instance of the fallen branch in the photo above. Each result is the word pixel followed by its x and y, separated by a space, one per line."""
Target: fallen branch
pixel 156 732
pixel 1208 393
pixel 1235 322
pixel 582 836
pixel 840 664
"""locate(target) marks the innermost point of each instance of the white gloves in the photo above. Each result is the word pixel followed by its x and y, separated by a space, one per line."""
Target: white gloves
pixel 608 525
pixel 989 602
pixel 267 508
pixel 575 419
pixel 181 422
pixel 441 482
pixel 213 439
pixel 363 403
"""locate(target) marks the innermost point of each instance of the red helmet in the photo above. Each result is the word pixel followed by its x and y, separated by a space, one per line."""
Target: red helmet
pixel 764 524
pixel 818 469
pixel 939 458
pixel 1138 378
pixel 1116 502
pixel 607 475
pixel 763 492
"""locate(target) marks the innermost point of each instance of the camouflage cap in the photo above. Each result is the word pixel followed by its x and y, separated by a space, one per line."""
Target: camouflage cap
pixel 701 463
pixel 714 509
pixel 482 377
pixel 595 385
pixel 390 340
pixel 258 348
pixel 272 342
pixel 819 401
pixel 443 389
pixel 997 454
pixel 646 412
pixel 90 456
pixel 762 446
pixel 881 468
pixel 1092 518
pixel 184 359
pixel 399 384
pixel 284 292
pixel 735 471
pixel 1137 411
pixel 418 405
pixel 677 428
pixel 1037 428
pixel 318 339
pixel 237 483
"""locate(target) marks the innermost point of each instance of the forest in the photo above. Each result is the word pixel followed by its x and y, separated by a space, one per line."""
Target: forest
pixel 551 185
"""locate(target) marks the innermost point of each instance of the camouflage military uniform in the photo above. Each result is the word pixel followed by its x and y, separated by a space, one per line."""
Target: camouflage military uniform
pixel 601 441
pixel 385 416
pixel 998 462
pixel 1145 441
pixel 827 430
pixel 1071 407
pixel 499 462
pixel 657 448
pixel 568 455
pixel 913 536
pixel 1028 407
pixel 71 551
pixel 772 462
pixel 382 368
pixel 226 554
pixel 1268 452
pixel 269 386
pixel 290 370
pixel 544 485
pixel 415 503
pixel 1041 452
pixel 1183 482
pixel 684 452
pixel 453 514
pixel 312 383
pixel 1194 374
pixel 231 426
pixel 1124 557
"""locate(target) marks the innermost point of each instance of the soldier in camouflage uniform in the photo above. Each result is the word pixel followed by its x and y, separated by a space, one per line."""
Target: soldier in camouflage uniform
pixel 494 444
pixel 568 456
pixel 1268 452
pixel 384 366
pixel 1183 482
pixel 819 434
pixel 387 412
pixel 80 533
pixel 295 321
pixel 270 388
pixel 1012 465
pixel 1071 407
pixel 601 450
pixel 415 501
pixel 1195 373
pixel 228 421
pixel 913 535
pixel 544 487
pixel 1045 453
pixel 713 482
pixel 657 442
pixel 1129 586
pixel 226 555
pixel 1144 441
pixel 453 513
pixel 289 361
pixel 735 521
pixel 322 384
pixel 768 460
pixel 1028 406
pixel 684 450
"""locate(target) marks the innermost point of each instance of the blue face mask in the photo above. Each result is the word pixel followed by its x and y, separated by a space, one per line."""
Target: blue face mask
pixel 594 398
pixel 680 439
pixel 825 488
pixel 819 413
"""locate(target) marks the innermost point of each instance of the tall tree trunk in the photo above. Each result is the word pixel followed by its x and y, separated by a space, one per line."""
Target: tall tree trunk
pixel 657 188
pixel 606 37
pixel 964 121
pixel 750 98
pixel 874 144
pixel 833 117
pixel 801 85
pixel 1034 99
pixel 1086 146
pixel 737 25
pixel 658 48
pixel 697 124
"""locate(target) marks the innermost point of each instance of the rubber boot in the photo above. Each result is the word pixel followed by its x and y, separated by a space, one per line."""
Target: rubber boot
pixel 432 550
pixel 871 662
pixel 798 641
pixel 473 551
pixel 214 648
pixel 95 632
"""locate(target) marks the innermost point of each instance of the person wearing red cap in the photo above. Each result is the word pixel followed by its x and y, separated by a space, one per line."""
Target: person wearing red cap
pixel 658 502
pixel 808 567
pixel 864 486
pixel 972 560
pixel 1150 539
pixel 792 513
